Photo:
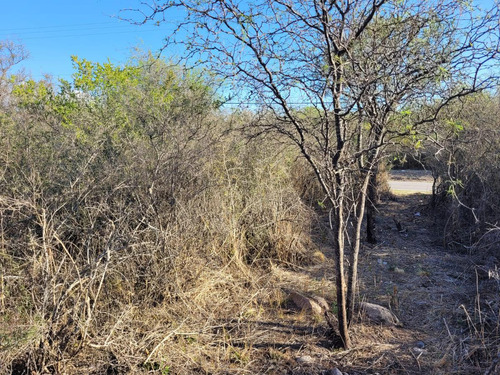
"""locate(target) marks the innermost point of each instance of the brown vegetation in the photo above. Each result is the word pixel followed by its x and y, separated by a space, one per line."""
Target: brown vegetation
pixel 141 231
pixel 114 245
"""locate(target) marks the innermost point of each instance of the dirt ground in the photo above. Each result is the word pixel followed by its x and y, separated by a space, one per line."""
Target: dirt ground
pixel 434 292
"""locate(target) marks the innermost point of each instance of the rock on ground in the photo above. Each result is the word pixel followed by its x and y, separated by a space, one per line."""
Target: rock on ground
pixel 306 303
pixel 322 302
pixel 306 359
pixel 379 314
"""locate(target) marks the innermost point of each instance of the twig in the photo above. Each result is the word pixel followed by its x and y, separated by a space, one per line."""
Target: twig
pixel 493 365
pixel 448 329
pixel 164 339
pixel 416 359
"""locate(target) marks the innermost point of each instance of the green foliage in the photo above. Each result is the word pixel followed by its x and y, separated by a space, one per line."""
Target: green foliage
pixel 158 367
pixel 32 94
pixel 453 187
pixel 101 80
pixel 456 126
pixel 117 101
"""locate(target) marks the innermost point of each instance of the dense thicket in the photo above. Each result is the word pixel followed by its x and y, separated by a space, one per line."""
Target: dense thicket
pixel 132 213
pixel 465 158
pixel 125 212
pixel 359 65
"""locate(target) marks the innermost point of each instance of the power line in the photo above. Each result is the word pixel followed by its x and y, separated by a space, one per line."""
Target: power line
pixel 267 104
pixel 74 28
pixel 56 26
pixel 82 26
pixel 89 34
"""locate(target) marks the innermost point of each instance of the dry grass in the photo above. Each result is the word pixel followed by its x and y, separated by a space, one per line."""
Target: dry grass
pixel 118 258
pixel 175 255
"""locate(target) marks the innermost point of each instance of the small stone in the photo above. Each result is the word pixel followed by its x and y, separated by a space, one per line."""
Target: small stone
pixel 419 351
pixel 399 270
pixel 306 359
pixel 420 344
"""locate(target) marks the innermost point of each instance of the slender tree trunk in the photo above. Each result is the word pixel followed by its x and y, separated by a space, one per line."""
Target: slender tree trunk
pixel 338 227
pixel 371 211
pixel 341 279
pixel 353 274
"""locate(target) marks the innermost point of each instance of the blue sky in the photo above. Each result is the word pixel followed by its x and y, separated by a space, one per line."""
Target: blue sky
pixel 53 30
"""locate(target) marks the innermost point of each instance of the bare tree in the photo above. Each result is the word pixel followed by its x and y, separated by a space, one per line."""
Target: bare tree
pixel 11 54
pixel 359 67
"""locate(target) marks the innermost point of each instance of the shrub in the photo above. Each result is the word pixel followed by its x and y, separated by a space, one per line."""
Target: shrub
pixel 113 236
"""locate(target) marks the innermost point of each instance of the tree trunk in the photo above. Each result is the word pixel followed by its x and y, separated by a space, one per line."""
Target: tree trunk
pixel 353 275
pixel 371 210
pixel 341 280
pixel 338 226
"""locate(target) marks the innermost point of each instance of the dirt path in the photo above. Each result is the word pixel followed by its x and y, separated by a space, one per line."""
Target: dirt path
pixel 426 286
pixel 430 289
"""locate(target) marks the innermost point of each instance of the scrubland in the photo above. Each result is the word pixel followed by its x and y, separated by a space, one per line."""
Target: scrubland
pixel 139 225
